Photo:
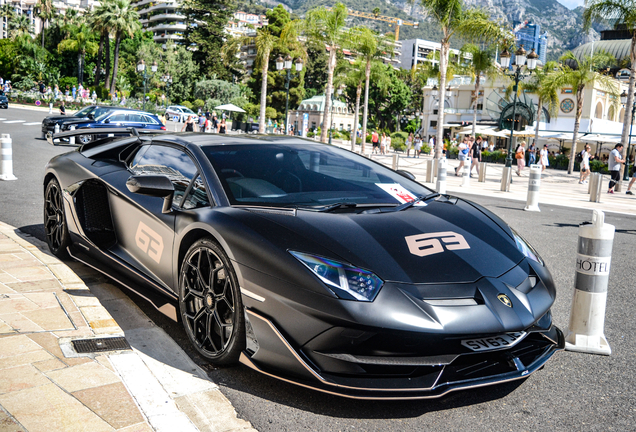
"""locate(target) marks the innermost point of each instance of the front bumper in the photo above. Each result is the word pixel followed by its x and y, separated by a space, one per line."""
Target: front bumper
pixel 385 377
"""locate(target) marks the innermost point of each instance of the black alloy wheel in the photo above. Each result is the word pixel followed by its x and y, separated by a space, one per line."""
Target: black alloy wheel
pixel 210 303
pixel 85 139
pixel 57 236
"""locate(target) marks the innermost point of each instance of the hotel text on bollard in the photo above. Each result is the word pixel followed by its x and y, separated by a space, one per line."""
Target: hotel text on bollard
pixel 587 317
pixel 441 176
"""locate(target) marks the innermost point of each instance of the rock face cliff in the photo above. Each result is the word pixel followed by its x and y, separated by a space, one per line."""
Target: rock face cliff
pixel 563 26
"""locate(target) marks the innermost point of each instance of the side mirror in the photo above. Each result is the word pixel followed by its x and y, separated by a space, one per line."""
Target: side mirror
pixel 107 121
pixel 153 185
pixel 91 116
pixel 406 174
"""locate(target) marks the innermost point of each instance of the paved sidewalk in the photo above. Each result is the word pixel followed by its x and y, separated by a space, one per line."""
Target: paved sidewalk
pixel 45 385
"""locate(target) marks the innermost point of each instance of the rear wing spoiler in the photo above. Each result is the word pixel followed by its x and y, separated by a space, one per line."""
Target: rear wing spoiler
pixel 131 131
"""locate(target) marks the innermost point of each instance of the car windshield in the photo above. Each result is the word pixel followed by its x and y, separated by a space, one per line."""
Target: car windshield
pixel 308 175
pixel 86 111
pixel 187 110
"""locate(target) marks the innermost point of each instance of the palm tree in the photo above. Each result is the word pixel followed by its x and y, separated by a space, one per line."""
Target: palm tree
pixel 123 20
pixel 327 27
pixel 265 43
pixel 544 84
pixel 99 24
pixel 619 13
pixel 483 64
pixel 368 45
pixel 20 25
pixel 584 75
pixel 46 12
pixel 80 42
pixel 352 75
pixel 470 23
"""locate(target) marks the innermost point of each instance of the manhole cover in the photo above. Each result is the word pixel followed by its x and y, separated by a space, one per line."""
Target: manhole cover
pixel 82 346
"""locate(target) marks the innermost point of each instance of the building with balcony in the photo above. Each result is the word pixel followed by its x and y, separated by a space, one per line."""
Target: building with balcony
pixel 162 18
pixel 313 108
pixel 414 51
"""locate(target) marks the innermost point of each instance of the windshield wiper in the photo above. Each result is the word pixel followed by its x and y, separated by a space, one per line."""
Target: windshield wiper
pixel 335 206
pixel 405 205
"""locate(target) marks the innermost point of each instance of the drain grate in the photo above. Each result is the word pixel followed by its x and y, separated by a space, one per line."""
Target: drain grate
pixel 83 346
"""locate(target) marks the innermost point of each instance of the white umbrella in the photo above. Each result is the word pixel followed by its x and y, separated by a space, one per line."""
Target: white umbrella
pixel 230 107
pixel 494 133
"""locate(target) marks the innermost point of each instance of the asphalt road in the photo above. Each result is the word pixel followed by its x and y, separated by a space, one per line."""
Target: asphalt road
pixel 573 391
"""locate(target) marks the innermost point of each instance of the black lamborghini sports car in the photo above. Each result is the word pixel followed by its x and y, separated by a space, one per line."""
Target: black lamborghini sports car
pixel 307 262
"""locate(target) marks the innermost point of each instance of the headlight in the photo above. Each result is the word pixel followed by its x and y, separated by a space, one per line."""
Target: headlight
pixel 347 282
pixel 525 248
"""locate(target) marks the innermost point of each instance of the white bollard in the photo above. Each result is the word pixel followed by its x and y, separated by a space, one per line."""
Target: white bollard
pixel 430 175
pixel 441 176
pixel 587 317
pixel 57 128
pixel 466 173
pixel 71 140
pixel 596 185
pixel 396 162
pixel 532 202
pixel 482 172
pixel 7 158
pixel 51 108
pixel 506 179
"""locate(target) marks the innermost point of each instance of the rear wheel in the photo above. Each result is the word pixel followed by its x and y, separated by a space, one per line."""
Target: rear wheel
pixel 57 236
pixel 85 139
pixel 210 303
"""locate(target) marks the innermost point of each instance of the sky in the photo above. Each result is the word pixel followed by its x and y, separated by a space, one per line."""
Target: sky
pixel 571 4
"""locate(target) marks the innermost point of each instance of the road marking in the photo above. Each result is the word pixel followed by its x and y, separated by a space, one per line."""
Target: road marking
pixel 2 119
pixel 32 123
pixel 15 121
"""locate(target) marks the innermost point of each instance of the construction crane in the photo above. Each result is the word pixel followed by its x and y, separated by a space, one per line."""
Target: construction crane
pixel 396 21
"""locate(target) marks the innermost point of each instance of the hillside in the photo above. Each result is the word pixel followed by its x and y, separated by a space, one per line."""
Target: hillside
pixel 564 26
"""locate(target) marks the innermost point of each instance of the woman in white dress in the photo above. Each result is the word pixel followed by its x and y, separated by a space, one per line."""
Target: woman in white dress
pixel 544 158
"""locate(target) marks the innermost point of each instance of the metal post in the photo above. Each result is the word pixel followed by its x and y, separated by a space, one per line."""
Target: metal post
pixel 514 112
pixel 505 179
pixel 482 171
pixel 287 99
pixel 144 90
pixel 430 175
pixel 71 140
pixel 597 185
pixel 629 144
pixel 7 158
pixel 395 164
pixel 441 176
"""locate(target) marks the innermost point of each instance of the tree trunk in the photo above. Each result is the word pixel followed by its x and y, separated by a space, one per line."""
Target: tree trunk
pixel 577 123
pixel 536 131
pixel 477 79
pixel 629 105
pixel 326 116
pixel 365 108
pixel 98 66
pixel 43 33
pixel 261 119
pixel 107 48
pixel 80 72
pixel 443 64
pixel 115 63
pixel 356 117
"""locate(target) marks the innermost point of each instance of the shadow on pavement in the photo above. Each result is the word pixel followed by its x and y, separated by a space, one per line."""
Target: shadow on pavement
pixel 36 231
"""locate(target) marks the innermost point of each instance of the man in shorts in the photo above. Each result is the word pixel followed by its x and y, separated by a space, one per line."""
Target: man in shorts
pixel 375 140
pixel 615 161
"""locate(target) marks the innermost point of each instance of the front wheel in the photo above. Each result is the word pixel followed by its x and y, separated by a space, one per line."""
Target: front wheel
pixel 57 236
pixel 210 303
pixel 85 139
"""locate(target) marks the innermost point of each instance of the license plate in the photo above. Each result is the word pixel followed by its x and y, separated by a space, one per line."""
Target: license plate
pixel 505 340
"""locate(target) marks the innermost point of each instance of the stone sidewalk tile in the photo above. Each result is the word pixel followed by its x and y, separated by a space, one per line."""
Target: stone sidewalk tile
pixel 82 377
pixel 113 403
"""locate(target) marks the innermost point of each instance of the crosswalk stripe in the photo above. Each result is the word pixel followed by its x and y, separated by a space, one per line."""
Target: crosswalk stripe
pixel 15 121
pixel 32 123
pixel 2 119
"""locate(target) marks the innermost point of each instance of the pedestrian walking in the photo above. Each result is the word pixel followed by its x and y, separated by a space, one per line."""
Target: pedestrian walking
pixel 532 151
pixel 202 120
pixel 62 109
pixel 222 127
pixel 375 140
pixel 418 146
pixel 585 164
pixel 383 144
pixel 545 162
pixel 615 161
pixel 74 91
pixel 462 154
pixel 189 125
pixel 409 144
pixel 475 152
pixel 431 143
pixel 520 155
pixel 631 182
pixel 214 124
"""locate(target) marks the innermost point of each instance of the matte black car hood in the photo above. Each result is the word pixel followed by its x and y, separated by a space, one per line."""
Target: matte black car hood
pixel 378 242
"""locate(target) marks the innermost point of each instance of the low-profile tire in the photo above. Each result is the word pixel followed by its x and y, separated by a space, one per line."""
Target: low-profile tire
pixel 85 139
pixel 210 303
pixel 55 228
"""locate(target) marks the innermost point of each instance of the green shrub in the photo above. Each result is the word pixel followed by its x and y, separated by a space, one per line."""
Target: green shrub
pixel 187 104
pixel 598 166
pixel 67 81
pixel 397 143
pixel 368 138
pixel 426 149
pixel 198 103
pixel 402 135
pixel 270 113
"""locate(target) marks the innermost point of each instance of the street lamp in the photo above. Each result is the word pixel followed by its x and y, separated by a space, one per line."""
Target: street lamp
pixel 340 89
pixel 168 80
pixel 287 65
pixel 631 126
pixel 517 75
pixel 141 67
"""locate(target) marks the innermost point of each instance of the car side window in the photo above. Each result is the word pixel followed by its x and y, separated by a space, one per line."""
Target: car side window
pixel 197 197
pixel 168 161
pixel 149 120
pixel 117 118
pixel 135 118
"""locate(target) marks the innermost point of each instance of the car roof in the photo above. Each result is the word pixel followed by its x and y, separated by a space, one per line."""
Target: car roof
pixel 133 111
pixel 205 139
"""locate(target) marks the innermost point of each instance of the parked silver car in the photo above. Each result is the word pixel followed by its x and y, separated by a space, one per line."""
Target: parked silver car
pixel 178 113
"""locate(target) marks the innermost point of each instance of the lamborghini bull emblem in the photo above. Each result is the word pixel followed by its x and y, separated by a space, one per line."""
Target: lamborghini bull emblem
pixel 431 243
pixel 505 300
pixel 149 242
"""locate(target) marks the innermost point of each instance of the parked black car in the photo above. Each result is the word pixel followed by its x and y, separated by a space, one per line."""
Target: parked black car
pixel 113 118
pixel 307 262
pixel 4 102
pixel 91 111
